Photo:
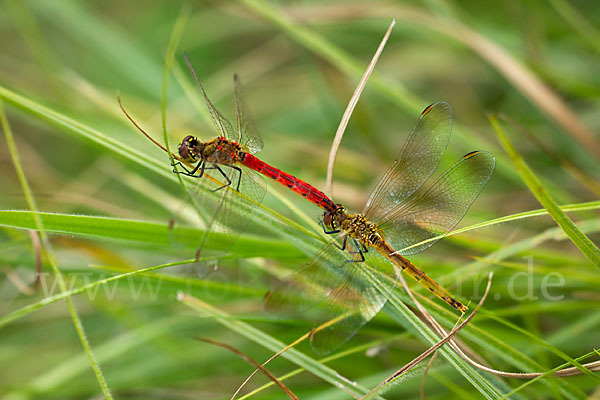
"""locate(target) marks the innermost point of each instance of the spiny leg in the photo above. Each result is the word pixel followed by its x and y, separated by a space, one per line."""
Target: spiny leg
pixel 215 166
pixel 360 249
pixel 187 172
pixel 325 229
pixel 343 245
pixel 239 170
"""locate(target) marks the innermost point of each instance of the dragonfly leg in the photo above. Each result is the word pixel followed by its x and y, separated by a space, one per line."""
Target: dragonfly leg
pixel 360 249
pixel 187 172
pixel 343 245
pixel 326 231
pixel 202 166
pixel 215 166
pixel 365 248
pixel 239 170
pixel 362 257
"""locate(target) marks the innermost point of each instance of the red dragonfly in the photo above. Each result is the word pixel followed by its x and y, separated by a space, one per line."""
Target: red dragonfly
pixel 345 284
pixel 225 155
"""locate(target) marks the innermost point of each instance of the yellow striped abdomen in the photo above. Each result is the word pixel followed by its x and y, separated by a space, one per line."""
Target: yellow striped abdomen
pixel 399 261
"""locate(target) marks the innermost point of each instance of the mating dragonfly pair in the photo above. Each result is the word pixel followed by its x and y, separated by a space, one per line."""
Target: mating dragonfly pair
pixel 345 284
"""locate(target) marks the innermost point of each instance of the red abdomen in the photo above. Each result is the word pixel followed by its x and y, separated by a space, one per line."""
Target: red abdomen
pixel 313 195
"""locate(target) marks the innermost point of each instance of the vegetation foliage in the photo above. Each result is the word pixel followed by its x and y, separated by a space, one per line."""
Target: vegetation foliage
pixel 115 312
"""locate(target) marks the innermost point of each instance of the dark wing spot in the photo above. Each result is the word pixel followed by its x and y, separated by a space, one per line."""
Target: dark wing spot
pixel 471 154
pixel 427 109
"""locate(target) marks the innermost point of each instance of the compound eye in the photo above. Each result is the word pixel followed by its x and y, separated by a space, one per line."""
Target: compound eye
pixel 186 150
pixel 327 218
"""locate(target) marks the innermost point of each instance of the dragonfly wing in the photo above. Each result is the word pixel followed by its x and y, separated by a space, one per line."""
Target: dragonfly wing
pixel 247 134
pixel 302 292
pixel 364 290
pixel 438 208
pixel 335 290
pixel 417 160
pixel 222 125
pixel 229 211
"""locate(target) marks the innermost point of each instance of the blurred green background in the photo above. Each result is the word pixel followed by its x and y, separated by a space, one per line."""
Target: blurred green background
pixel 62 65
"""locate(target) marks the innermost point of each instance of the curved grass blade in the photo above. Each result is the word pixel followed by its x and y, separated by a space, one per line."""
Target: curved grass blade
pixel 396 93
pixel 590 205
pixel 112 349
pixel 579 239
pixel 139 232
pixel 264 340
pixel 265 217
pixel 173 42
pixel 51 256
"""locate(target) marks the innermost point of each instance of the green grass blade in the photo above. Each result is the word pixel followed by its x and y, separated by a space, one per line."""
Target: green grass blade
pixel 591 205
pixel 578 22
pixel 398 310
pixel 548 346
pixel 265 217
pixel 122 55
pixel 336 356
pixel 6 319
pixel 494 346
pixel 26 23
pixel 113 348
pixel 139 232
pixel 268 342
pixel 587 247
pixel 50 254
pixel 548 374
pixel 393 91
pixel 470 270
pixel 82 132
pixel 173 43
pixel 334 54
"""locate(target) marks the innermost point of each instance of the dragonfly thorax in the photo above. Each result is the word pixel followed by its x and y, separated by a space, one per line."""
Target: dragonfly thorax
pixel 357 227
pixel 222 151
pixel 218 150
pixel 354 225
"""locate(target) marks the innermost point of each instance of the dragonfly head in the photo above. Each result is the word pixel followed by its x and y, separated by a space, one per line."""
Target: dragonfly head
pixel 190 149
pixel 333 219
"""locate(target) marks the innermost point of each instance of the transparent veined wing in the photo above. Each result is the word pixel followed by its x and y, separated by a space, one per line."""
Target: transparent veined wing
pixel 437 208
pixel 417 160
pixel 364 290
pixel 226 211
pixel 300 293
pixel 222 125
pixel 337 291
pixel 247 134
